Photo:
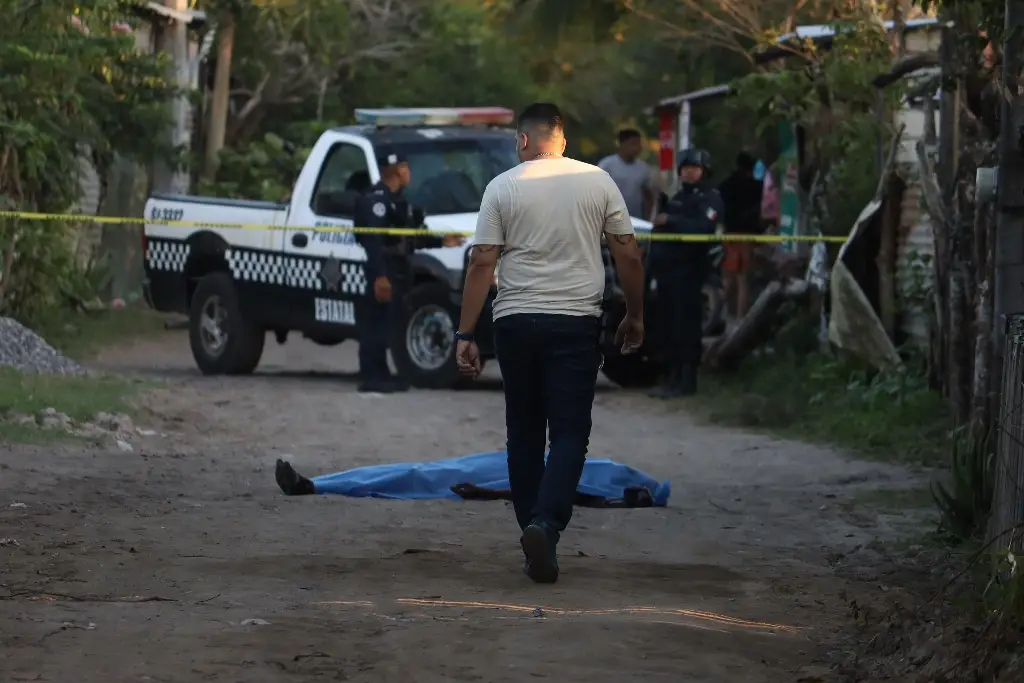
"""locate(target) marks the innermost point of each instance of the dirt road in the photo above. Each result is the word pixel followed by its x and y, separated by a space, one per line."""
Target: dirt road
pixel 181 561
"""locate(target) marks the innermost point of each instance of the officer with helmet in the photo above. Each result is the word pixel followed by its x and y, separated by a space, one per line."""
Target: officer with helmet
pixel 680 269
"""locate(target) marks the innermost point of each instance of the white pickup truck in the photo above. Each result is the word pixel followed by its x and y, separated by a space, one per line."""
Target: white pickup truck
pixel 237 284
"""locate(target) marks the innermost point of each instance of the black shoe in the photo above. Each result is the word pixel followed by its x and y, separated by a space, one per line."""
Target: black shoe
pixel 291 482
pixel 688 381
pixel 669 387
pixel 661 393
pixel 385 385
pixel 539 543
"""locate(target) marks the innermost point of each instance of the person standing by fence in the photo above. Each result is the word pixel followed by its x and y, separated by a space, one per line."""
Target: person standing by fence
pixel 546 218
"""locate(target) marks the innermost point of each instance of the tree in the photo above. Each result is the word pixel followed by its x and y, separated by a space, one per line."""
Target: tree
pixel 285 52
pixel 71 85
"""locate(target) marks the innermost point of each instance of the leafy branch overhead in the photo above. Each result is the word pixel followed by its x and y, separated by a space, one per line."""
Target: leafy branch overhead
pixel 287 51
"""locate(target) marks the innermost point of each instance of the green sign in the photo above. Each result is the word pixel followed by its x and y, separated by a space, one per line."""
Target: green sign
pixel 789 179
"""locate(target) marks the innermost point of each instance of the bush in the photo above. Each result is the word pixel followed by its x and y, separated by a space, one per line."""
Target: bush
pixel 71 88
pixel 891 415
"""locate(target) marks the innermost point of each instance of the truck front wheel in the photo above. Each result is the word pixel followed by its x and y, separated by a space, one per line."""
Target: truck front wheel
pixel 423 343
pixel 222 341
pixel 634 371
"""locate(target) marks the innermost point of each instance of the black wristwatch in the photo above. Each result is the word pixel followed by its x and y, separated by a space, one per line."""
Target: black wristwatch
pixel 464 336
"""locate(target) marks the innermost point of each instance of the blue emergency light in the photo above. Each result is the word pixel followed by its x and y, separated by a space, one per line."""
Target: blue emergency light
pixel 435 116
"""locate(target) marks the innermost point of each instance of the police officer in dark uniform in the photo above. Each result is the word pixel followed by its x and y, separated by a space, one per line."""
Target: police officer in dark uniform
pixel 680 269
pixel 379 207
pixel 388 268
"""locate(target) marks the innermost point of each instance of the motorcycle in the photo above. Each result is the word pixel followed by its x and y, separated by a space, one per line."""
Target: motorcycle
pixel 643 368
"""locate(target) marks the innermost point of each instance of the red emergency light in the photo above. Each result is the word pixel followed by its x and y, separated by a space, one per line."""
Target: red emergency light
pixel 436 116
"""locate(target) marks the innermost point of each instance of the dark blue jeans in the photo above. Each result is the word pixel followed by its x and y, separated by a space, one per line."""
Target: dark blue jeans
pixel 549 365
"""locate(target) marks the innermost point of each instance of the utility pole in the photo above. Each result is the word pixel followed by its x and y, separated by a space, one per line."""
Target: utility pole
pixel 172 39
pixel 1008 291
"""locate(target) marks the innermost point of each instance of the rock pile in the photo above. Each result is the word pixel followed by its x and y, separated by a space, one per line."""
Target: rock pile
pixel 100 426
pixel 24 350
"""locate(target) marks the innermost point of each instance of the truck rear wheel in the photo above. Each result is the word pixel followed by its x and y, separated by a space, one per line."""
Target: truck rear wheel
pixel 423 343
pixel 222 341
pixel 634 371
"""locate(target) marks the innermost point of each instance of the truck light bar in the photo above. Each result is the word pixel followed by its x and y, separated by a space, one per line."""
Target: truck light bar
pixel 436 116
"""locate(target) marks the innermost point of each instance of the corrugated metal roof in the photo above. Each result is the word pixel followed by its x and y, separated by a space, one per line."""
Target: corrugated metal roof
pixel 703 93
pixel 815 32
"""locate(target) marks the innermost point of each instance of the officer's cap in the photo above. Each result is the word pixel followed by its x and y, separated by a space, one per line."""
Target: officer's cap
pixel 391 158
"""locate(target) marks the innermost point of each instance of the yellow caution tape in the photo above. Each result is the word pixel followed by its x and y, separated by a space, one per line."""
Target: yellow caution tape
pixel 404 232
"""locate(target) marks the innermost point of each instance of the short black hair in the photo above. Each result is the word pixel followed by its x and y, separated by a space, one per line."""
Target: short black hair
pixel 542 114
pixel 745 161
pixel 627 134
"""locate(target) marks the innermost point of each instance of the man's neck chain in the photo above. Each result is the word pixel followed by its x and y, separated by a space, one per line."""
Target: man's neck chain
pixel 547 154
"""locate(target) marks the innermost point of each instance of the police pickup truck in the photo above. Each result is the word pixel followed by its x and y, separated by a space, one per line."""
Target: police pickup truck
pixel 288 271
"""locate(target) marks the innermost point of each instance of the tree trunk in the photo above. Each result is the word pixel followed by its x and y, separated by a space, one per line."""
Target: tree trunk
pixel 172 38
pixel 981 401
pixel 959 352
pixel 221 95
pixel 321 98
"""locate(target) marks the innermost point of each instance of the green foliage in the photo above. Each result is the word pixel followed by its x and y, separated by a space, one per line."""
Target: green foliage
pixel 918 289
pixel 1004 593
pixel 65 93
pixel 829 93
pixel 77 397
pixel 886 415
pixel 461 61
pixel 265 168
pixel 986 15
pixel 965 504
pixel 81 335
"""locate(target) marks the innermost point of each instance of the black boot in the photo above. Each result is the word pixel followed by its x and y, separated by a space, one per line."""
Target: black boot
pixel 670 384
pixel 687 385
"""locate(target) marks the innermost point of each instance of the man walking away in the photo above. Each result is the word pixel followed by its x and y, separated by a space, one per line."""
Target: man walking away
pixel 741 194
pixel 632 176
pixel 546 218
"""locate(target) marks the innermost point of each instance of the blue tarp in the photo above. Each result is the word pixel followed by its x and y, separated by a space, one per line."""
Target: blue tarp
pixel 604 479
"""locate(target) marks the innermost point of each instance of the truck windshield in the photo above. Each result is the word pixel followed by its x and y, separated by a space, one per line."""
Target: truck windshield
pixel 449 176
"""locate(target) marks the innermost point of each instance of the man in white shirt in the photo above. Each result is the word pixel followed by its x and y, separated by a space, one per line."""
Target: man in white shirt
pixel 546 218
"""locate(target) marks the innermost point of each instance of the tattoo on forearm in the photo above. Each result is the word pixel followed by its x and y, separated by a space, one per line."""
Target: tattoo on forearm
pixel 625 239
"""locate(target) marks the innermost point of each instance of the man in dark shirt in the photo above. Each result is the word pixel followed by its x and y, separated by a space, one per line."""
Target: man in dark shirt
pixel 741 195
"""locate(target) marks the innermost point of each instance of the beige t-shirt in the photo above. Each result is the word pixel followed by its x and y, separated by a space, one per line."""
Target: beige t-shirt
pixel 549 215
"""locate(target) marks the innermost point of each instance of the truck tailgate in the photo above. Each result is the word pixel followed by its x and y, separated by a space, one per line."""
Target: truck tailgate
pixel 253 214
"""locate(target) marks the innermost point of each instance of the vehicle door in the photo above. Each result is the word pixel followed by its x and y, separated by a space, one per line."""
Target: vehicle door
pixel 329 265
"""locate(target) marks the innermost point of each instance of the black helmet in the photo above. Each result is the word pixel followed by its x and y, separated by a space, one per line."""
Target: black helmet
pixel 692 156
